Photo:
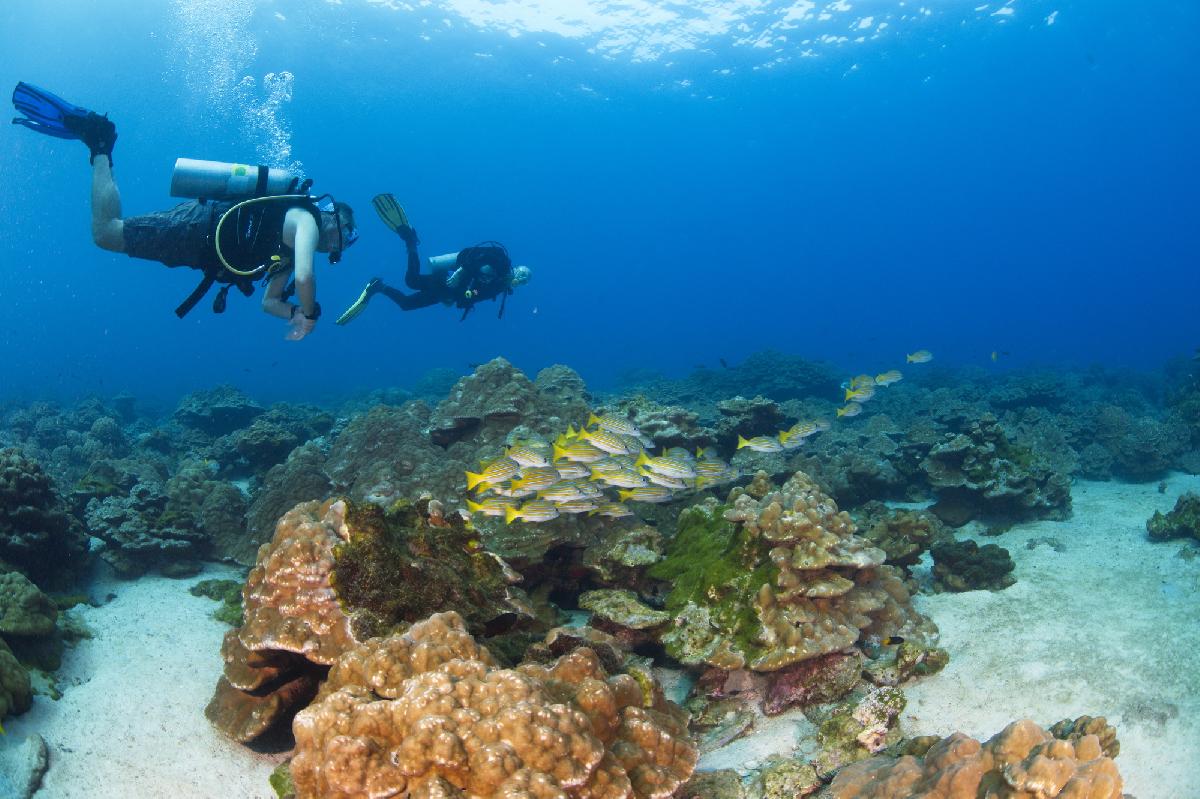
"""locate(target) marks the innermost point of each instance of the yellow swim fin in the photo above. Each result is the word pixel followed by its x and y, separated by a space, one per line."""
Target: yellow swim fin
pixel 391 213
pixel 360 304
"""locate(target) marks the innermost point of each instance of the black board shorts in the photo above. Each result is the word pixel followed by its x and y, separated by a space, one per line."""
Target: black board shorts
pixel 181 236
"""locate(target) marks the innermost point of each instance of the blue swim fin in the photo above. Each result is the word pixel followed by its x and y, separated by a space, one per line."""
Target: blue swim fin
pixel 51 115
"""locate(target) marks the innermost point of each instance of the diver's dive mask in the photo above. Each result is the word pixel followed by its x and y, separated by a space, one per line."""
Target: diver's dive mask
pixel 347 231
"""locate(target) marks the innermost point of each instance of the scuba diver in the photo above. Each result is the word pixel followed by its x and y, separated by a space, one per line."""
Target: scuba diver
pixel 243 223
pixel 461 279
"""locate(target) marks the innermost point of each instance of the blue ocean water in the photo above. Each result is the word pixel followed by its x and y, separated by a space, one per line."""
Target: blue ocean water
pixel 846 181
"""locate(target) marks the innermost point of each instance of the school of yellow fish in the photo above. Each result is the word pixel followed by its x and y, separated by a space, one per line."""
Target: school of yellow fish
pixel 539 480
pixel 858 390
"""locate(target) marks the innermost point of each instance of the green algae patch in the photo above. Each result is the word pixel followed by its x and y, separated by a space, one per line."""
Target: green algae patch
pixel 228 593
pixel 715 570
pixel 281 781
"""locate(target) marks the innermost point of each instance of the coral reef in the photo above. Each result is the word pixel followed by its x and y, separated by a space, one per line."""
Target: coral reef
pixel 1181 522
pixel 854 729
pixel 24 610
pixel 140 533
pixel 298 479
pixel 496 397
pixel 903 535
pixel 1023 761
pixel 269 438
pixel 336 574
pixel 981 472
pixel 1074 729
pixel 430 713
pixel 16 692
pixel 37 537
pixel 28 620
pixel 966 566
pixel 775 581
pixel 666 425
pixel 217 411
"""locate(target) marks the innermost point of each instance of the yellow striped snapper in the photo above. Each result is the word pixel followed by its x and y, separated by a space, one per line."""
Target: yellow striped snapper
pixel 536 478
pixel 858 381
pixel 580 451
pixel 623 478
pixel 613 510
pixel 704 480
pixel 613 424
pixel 509 491
pixel 888 378
pixel 634 444
pixel 667 466
pixel 577 506
pixel 804 429
pixel 612 443
pixel 790 440
pixel 760 444
pixel 497 471
pixel 822 424
pixel 712 468
pixel 681 453
pixel 647 494
pixel 861 394
pixel 536 510
pixel 590 490
pixel 920 356
pixel 492 506
pixel 565 491
pixel 664 481
pixel 853 409
pixel 572 470
pixel 527 456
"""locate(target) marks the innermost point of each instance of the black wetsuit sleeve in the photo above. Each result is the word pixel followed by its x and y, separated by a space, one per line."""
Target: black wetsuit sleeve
pixel 413 270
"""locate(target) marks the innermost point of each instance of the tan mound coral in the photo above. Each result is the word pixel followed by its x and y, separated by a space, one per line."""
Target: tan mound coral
pixel 290 604
pixel 1023 761
pixel 335 574
pixel 430 714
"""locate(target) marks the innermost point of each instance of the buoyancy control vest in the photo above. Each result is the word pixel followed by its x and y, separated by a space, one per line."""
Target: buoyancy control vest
pixel 249 237
pixel 476 284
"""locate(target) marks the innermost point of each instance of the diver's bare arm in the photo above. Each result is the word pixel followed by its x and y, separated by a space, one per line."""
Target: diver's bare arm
pixel 273 302
pixel 300 227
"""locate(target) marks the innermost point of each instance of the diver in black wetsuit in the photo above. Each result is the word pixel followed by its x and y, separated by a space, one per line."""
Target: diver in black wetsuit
pixel 463 279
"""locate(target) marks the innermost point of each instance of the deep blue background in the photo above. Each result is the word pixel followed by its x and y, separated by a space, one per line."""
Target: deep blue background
pixel 959 184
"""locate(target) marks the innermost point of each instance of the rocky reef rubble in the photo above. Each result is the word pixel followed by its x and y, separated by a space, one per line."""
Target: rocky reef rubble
pixel 1182 521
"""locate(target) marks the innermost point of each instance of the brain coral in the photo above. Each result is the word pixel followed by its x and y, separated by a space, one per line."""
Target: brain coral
pixel 430 714
pixel 790 581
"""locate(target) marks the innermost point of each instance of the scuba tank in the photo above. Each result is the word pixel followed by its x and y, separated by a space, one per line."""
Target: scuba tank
pixel 440 261
pixel 216 180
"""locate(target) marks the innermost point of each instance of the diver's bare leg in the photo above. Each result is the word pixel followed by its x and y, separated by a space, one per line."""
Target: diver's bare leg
pixel 108 229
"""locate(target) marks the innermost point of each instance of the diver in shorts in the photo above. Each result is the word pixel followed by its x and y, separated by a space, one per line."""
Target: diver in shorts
pixel 232 243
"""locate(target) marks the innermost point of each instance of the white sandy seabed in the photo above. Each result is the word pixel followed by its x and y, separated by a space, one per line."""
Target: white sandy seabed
pixel 1100 621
